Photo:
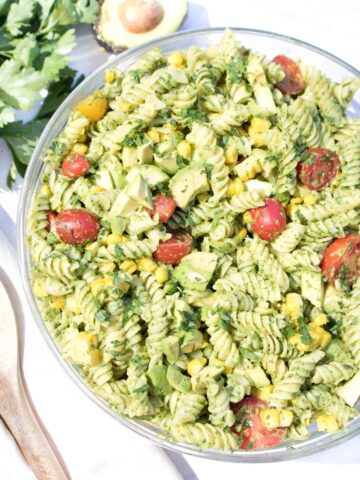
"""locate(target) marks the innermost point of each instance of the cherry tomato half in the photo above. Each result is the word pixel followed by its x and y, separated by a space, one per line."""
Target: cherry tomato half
pixel 164 206
pixel 174 249
pixel 268 221
pixel 75 226
pixel 293 82
pixel 342 259
pixel 51 218
pixel 319 169
pixel 253 432
pixel 75 165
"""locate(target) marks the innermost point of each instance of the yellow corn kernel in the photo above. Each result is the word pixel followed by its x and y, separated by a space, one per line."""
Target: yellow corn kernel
pixel 242 234
pixel 320 319
pixel 125 107
pixel 247 217
pixel 325 339
pixel 161 275
pixel 286 418
pixel 128 266
pixel 263 393
pixel 228 369
pixel 100 284
pixel 154 135
pixel 146 264
pixel 114 238
pixel 195 365
pixel 107 267
pixel 169 128
pixel 309 199
pixel 235 187
pixel 327 423
pixel 296 200
pixel 96 189
pixel 57 302
pixel 82 138
pixel 45 190
pixel 80 148
pixel 184 149
pixel 258 129
pixel 231 155
pixel 109 76
pixel 270 417
pixel 176 59
pixel 92 247
pixel 293 306
pixel 291 210
pixel 217 362
pixel 39 291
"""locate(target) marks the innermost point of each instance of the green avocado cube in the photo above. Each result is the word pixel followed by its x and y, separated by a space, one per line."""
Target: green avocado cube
pixel 157 376
pixel 195 270
pixel 187 183
pixel 177 380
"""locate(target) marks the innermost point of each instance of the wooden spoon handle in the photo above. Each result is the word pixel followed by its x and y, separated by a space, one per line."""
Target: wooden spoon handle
pixel 28 432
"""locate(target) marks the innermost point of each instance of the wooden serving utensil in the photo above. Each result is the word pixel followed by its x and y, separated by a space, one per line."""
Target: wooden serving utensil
pixel 15 407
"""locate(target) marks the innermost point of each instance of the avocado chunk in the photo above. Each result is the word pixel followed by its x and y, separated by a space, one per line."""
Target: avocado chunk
pixel 187 183
pixel 128 157
pixel 139 190
pixel 171 348
pixel 177 380
pixel 117 224
pixel 191 341
pixel 157 376
pixel 312 287
pixel 350 391
pixel 335 351
pixel 123 206
pixel 151 173
pixel 144 153
pixel 195 270
pixel 167 163
pixel 124 24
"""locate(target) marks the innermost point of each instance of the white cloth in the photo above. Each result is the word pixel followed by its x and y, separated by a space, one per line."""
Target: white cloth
pixel 93 445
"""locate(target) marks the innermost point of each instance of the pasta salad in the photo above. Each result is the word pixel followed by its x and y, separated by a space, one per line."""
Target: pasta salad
pixel 195 246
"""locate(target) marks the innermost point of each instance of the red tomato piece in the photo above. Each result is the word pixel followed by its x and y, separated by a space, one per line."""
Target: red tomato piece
pixel 164 206
pixel 319 169
pixel 51 217
pixel 75 226
pixel 268 221
pixel 342 259
pixel 75 165
pixel 174 249
pixel 293 82
pixel 254 434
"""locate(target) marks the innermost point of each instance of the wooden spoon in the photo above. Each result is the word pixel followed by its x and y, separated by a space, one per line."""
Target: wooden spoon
pixel 15 407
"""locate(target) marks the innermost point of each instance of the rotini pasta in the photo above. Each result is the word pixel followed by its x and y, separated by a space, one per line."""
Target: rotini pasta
pixel 162 271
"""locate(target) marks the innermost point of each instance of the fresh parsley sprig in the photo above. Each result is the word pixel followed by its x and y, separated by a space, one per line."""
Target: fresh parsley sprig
pixel 36 37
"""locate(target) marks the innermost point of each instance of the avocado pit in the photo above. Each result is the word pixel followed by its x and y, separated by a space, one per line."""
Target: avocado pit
pixel 140 16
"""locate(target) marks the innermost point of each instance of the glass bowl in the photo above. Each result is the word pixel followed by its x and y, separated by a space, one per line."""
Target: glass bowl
pixel 268 43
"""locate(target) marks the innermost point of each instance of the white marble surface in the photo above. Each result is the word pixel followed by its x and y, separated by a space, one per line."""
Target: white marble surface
pixel 92 444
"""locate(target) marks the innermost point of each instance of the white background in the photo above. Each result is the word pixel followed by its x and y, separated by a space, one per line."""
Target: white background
pixel 94 445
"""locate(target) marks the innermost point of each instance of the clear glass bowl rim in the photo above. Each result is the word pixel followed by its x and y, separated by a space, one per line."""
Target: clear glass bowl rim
pixel 283 452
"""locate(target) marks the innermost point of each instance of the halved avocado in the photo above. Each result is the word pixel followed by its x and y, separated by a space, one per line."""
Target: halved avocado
pixel 124 24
